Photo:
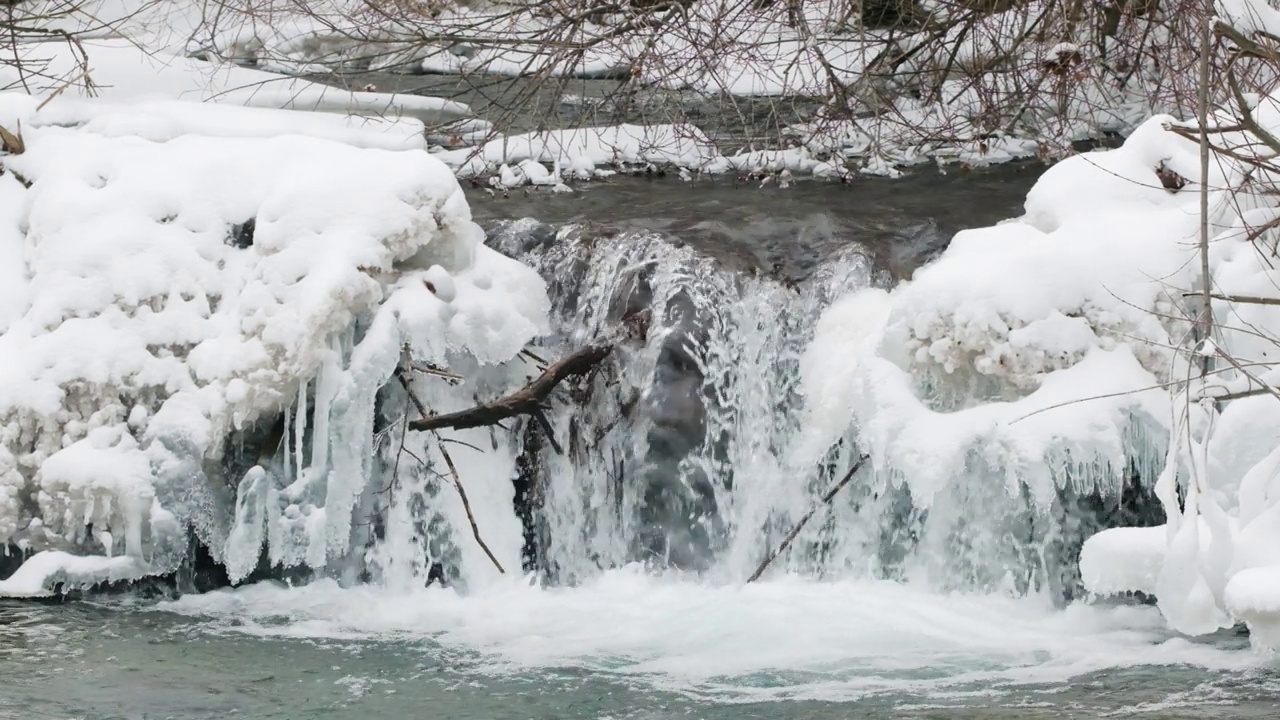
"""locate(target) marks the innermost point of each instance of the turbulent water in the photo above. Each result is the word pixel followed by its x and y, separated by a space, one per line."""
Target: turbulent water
pixel 628 525
pixel 626 645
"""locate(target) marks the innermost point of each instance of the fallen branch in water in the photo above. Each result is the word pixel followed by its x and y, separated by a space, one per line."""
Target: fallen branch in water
pixel 453 470
pixel 791 536
pixel 525 401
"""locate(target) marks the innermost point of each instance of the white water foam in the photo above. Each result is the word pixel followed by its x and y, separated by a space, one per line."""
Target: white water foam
pixel 787 639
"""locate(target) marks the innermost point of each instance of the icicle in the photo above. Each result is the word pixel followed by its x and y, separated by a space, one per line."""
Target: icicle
pixel 286 453
pixel 326 388
pixel 300 430
pixel 244 544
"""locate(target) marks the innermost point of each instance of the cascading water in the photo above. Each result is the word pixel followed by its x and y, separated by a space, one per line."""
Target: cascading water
pixel 681 458
pixel 689 449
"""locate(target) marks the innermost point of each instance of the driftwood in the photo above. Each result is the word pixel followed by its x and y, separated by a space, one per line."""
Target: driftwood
pixel 525 401
pixel 791 536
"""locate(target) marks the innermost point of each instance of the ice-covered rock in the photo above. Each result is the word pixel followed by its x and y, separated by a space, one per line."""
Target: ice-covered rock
pixel 1052 354
pixel 1029 351
pixel 181 284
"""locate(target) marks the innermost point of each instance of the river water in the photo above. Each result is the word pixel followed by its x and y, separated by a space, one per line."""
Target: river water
pixel 622 641
pixel 623 647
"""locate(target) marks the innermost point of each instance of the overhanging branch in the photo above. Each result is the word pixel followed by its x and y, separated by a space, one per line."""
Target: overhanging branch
pixel 525 401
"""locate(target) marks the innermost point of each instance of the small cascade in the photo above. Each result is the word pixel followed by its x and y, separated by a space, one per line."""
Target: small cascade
pixel 687 451
pixel 692 453
pixel 683 456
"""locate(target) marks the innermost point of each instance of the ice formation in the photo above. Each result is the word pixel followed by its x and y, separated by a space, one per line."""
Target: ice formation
pixel 176 278
pixel 188 274
pixel 981 357
pixel 1050 353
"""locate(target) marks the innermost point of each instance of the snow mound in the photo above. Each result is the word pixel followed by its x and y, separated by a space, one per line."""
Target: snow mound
pixel 178 285
pixel 1254 596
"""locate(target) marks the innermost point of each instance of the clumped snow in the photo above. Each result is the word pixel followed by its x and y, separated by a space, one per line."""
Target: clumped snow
pixel 988 349
pixel 187 272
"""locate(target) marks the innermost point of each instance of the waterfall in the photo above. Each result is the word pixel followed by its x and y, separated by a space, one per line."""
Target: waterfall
pixel 688 451
pixel 685 453
pixel 685 457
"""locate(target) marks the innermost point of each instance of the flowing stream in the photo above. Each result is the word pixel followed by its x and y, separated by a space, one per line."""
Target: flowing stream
pixel 635 515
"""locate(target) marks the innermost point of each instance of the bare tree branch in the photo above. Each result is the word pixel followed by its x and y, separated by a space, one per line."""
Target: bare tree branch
pixel 526 401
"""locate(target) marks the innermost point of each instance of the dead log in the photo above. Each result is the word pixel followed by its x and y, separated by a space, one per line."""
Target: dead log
pixel 525 401
pixel 791 536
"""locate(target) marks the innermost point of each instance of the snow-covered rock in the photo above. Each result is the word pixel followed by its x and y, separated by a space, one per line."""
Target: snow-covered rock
pixel 185 273
pixel 1053 353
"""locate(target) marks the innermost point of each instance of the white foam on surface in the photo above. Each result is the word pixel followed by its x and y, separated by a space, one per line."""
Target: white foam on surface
pixel 784 639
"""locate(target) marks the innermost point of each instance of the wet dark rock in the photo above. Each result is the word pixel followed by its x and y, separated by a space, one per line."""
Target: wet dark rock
pixel 675 403
pixel 529 479
pixel 520 237
pixel 242 235
pixel 1078 516
pixel 633 297
pixel 912 247
pixel 11 557
pixel 678 509
pixel 256 444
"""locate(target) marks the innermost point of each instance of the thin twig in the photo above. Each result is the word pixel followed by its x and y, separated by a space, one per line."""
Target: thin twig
pixel 791 536
pixel 1205 325
pixel 1243 299
pixel 428 369
pixel 1244 371
pixel 466 505
pixel 417 404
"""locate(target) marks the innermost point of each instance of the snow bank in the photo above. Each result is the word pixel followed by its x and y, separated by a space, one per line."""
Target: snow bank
pixel 121 70
pixel 187 273
pixel 1254 596
pixel 718 48
pixel 710 48
pixel 164 120
pixel 591 152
